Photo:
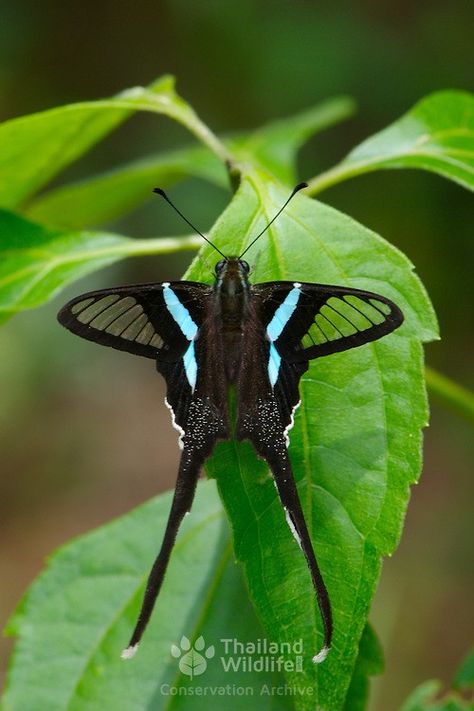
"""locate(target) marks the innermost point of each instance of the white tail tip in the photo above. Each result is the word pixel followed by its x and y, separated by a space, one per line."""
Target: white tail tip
pixel 129 652
pixel 321 656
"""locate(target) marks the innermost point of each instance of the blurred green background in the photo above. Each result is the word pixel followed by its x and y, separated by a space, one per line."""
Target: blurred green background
pixel 84 435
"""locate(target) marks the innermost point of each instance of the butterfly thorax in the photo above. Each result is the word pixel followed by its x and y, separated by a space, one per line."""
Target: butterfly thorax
pixel 231 309
pixel 232 292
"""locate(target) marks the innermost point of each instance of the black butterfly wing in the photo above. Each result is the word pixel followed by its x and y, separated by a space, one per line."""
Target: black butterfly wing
pixel 142 319
pixel 292 323
pixel 166 322
pixel 307 321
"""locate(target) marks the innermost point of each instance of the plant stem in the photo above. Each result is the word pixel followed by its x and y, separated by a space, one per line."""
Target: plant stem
pixel 206 136
pixel 158 245
pixel 338 174
pixel 448 393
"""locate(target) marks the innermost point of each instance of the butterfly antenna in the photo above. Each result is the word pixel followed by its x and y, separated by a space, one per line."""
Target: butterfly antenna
pixel 161 192
pixel 295 190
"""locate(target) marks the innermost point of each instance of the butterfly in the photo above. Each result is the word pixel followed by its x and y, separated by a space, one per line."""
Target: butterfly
pixel 257 338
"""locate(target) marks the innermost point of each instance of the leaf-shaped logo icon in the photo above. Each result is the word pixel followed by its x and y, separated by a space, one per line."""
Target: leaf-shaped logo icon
pixel 185 643
pixel 199 643
pixel 175 651
pixel 192 663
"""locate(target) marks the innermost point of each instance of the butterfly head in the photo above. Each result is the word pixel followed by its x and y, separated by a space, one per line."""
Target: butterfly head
pixel 232 265
pixel 232 276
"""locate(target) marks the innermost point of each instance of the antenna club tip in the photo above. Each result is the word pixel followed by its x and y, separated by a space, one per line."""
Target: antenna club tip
pixel 300 186
pixel 159 191
pixel 321 656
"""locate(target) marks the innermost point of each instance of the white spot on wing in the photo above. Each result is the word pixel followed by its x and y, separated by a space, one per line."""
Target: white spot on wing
pixel 129 652
pixel 175 425
pixel 291 423
pixel 293 529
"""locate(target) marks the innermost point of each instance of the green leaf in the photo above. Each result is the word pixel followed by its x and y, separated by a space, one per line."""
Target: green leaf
pixel 35 148
pixel 35 263
pixel 274 147
pixel 437 134
pixel 464 678
pixel 356 444
pixel 353 474
pixel 426 698
pixel 108 196
pixel 370 662
pixel 105 197
pixel 76 618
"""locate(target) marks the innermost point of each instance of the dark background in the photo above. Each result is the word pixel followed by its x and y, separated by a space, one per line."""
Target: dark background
pixel 83 433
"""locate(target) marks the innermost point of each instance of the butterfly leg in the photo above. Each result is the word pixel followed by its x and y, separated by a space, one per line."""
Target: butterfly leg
pixel 188 474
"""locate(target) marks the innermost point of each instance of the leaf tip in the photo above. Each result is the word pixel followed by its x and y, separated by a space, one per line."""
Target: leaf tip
pixel 129 652
pixel 321 656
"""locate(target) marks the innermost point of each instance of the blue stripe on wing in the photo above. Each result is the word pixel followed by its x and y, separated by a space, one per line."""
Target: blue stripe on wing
pixel 189 329
pixel 275 328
